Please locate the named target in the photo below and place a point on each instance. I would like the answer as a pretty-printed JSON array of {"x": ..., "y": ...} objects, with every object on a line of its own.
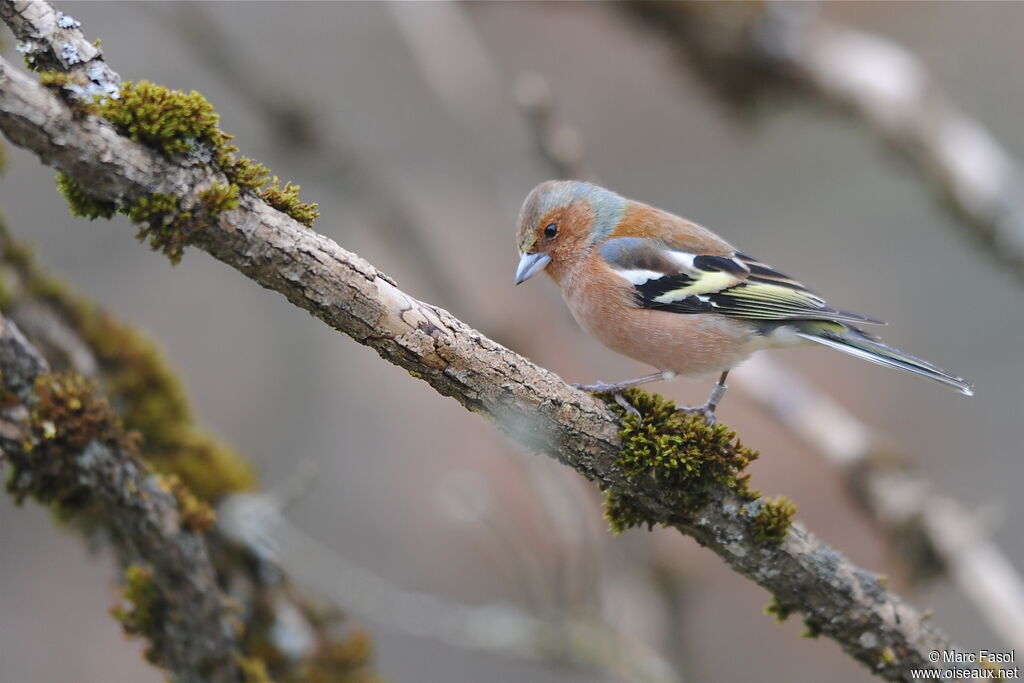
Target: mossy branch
[
  {"x": 529, "y": 403},
  {"x": 188, "y": 462},
  {"x": 66, "y": 447}
]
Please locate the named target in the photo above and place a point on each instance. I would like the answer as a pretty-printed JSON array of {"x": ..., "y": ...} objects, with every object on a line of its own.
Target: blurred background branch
[
  {"x": 151, "y": 498},
  {"x": 65, "y": 447},
  {"x": 746, "y": 51},
  {"x": 932, "y": 532}
]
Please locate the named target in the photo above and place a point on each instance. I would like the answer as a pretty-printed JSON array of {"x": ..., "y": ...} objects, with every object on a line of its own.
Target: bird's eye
[{"x": 551, "y": 231}]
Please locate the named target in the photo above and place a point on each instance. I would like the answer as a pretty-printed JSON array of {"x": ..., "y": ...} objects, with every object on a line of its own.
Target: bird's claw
[
  {"x": 627, "y": 406},
  {"x": 616, "y": 391},
  {"x": 706, "y": 410}
]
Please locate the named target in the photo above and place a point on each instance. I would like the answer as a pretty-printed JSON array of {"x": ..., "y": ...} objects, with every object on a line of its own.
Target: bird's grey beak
[{"x": 530, "y": 265}]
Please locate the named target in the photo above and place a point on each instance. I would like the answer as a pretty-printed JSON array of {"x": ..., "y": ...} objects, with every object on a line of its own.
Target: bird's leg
[
  {"x": 708, "y": 409},
  {"x": 617, "y": 388}
]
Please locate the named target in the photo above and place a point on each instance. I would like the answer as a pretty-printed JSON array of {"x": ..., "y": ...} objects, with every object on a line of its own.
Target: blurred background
[{"x": 411, "y": 126}]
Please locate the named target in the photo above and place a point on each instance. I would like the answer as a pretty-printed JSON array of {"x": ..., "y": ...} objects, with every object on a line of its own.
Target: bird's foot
[
  {"x": 616, "y": 391},
  {"x": 628, "y": 407},
  {"x": 707, "y": 410}
]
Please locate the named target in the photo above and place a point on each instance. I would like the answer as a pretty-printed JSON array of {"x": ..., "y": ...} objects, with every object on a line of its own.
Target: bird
[{"x": 670, "y": 293}]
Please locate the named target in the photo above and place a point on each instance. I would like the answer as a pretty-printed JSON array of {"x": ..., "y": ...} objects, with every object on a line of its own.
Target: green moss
[
  {"x": 68, "y": 413},
  {"x": 175, "y": 123},
  {"x": 6, "y": 294},
  {"x": 286, "y": 200},
  {"x": 140, "y": 610},
  {"x": 254, "y": 669},
  {"x": 167, "y": 228},
  {"x": 53, "y": 79},
  {"x": 621, "y": 514},
  {"x": 161, "y": 224},
  {"x": 678, "y": 452},
  {"x": 339, "y": 654},
  {"x": 65, "y": 416},
  {"x": 774, "y": 519},
  {"x": 886, "y": 656},
  {"x": 195, "y": 514},
  {"x": 342, "y": 660},
  {"x": 811, "y": 630},
  {"x": 244, "y": 172},
  {"x": 81, "y": 202},
  {"x": 778, "y": 610},
  {"x": 219, "y": 198},
  {"x": 171, "y": 121}
]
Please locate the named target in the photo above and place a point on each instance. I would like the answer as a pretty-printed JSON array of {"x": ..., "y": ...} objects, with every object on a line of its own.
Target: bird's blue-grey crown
[{"x": 608, "y": 208}]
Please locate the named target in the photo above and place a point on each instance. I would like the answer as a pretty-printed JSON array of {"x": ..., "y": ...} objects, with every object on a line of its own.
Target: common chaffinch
[{"x": 668, "y": 292}]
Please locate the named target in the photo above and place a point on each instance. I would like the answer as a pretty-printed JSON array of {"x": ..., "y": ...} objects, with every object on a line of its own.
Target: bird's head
[{"x": 559, "y": 223}]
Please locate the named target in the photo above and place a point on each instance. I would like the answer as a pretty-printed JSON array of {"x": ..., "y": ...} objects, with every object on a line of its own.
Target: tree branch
[
  {"x": 194, "y": 637},
  {"x": 529, "y": 403},
  {"x": 746, "y": 49},
  {"x": 280, "y": 631},
  {"x": 932, "y": 531}
]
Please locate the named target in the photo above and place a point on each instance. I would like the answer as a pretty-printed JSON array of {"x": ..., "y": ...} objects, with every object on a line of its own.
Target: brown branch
[
  {"x": 73, "y": 333},
  {"x": 932, "y": 531},
  {"x": 529, "y": 403},
  {"x": 301, "y": 133},
  {"x": 195, "y": 638},
  {"x": 747, "y": 50}
]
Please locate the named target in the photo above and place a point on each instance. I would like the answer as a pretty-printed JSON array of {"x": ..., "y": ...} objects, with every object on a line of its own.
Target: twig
[
  {"x": 746, "y": 50},
  {"x": 197, "y": 642},
  {"x": 530, "y": 404}
]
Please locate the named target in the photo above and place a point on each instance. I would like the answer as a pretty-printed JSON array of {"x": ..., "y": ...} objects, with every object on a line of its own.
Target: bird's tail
[{"x": 858, "y": 343}]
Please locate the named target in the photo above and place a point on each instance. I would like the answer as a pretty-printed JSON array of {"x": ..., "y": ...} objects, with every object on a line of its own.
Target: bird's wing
[{"x": 734, "y": 285}]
